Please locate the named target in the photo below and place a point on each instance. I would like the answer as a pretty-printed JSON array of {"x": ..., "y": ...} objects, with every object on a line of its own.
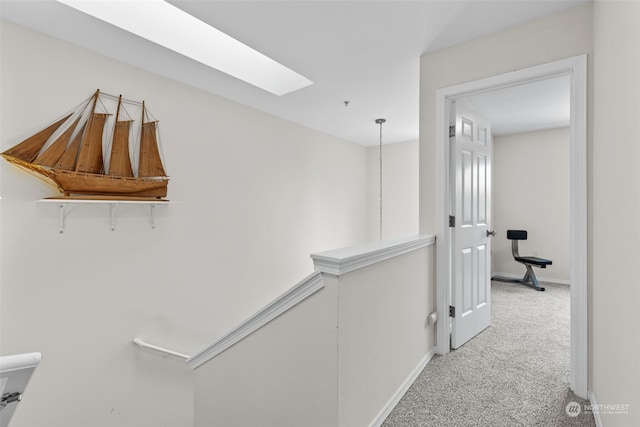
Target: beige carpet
[{"x": 515, "y": 373}]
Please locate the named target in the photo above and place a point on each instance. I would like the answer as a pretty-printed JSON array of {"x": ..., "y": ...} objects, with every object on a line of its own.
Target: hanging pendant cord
[{"x": 380, "y": 122}]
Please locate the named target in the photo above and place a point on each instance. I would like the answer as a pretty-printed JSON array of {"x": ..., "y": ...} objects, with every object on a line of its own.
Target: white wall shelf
[{"x": 113, "y": 208}]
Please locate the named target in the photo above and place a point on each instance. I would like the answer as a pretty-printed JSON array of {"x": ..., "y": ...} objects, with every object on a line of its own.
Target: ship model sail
[{"x": 69, "y": 154}]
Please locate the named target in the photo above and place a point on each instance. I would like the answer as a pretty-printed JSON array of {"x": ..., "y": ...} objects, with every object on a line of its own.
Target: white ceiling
[
  {"x": 529, "y": 107},
  {"x": 365, "y": 52}
]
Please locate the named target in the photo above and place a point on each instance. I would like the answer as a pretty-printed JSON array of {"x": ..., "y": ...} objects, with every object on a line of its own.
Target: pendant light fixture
[{"x": 380, "y": 122}]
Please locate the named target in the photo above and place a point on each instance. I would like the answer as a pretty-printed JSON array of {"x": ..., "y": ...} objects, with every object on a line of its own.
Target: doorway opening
[{"x": 575, "y": 68}]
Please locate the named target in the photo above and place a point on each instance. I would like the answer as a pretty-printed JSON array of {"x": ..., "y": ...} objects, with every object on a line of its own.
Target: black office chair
[{"x": 529, "y": 278}]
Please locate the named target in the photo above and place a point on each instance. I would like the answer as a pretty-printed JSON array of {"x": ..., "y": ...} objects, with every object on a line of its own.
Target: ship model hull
[
  {"x": 85, "y": 183},
  {"x": 68, "y": 155},
  {"x": 71, "y": 183}
]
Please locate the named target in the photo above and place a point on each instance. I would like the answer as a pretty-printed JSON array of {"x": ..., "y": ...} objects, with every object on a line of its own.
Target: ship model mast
[{"x": 69, "y": 155}]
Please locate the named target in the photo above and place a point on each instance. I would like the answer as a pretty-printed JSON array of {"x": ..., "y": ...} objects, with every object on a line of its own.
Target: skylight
[{"x": 171, "y": 27}]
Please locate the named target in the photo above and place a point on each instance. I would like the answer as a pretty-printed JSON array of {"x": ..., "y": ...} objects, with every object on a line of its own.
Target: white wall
[
  {"x": 556, "y": 37},
  {"x": 400, "y": 195},
  {"x": 531, "y": 192},
  {"x": 383, "y": 335},
  {"x": 338, "y": 358},
  {"x": 608, "y": 32},
  {"x": 255, "y": 196},
  {"x": 563, "y": 35},
  {"x": 283, "y": 375},
  {"x": 615, "y": 236}
]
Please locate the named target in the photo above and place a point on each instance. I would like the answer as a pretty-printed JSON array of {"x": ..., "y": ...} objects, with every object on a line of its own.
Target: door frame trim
[{"x": 576, "y": 69}]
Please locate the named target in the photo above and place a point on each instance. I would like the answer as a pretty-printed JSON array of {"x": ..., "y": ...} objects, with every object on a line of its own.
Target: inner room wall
[
  {"x": 531, "y": 192},
  {"x": 400, "y": 196},
  {"x": 253, "y": 196}
]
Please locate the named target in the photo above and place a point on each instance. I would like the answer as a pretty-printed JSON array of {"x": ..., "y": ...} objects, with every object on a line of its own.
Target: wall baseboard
[
  {"x": 386, "y": 410},
  {"x": 595, "y": 410},
  {"x": 541, "y": 279}
]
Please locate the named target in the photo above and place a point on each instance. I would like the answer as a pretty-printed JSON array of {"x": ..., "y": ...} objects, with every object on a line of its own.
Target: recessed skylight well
[{"x": 173, "y": 28}]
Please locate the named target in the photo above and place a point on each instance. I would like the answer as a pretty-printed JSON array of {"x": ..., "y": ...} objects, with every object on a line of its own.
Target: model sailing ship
[{"x": 69, "y": 155}]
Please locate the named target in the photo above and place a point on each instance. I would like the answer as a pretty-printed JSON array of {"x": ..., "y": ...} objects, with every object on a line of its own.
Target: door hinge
[
  {"x": 452, "y": 131},
  {"x": 452, "y": 311},
  {"x": 452, "y": 221}
]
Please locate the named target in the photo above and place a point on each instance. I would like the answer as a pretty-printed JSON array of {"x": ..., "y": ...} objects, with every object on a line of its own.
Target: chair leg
[{"x": 530, "y": 279}]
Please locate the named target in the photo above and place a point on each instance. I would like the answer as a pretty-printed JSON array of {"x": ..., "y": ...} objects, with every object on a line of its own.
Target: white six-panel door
[{"x": 471, "y": 149}]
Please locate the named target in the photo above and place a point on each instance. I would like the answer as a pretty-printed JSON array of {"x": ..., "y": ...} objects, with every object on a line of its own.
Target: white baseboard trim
[
  {"x": 595, "y": 409},
  {"x": 386, "y": 410},
  {"x": 540, "y": 279}
]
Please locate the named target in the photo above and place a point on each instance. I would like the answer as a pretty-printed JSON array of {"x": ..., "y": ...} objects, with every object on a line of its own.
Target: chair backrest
[
  {"x": 517, "y": 234},
  {"x": 514, "y": 236}
]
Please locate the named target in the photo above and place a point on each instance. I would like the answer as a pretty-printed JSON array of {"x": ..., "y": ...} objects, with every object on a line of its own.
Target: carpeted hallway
[{"x": 515, "y": 373}]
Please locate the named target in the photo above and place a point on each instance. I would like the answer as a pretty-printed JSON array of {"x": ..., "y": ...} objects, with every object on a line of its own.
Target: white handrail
[
  {"x": 307, "y": 287},
  {"x": 345, "y": 260},
  {"x": 166, "y": 352},
  {"x": 335, "y": 262}
]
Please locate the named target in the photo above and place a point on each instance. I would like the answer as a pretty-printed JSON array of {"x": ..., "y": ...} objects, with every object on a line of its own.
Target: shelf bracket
[
  {"x": 61, "y": 207},
  {"x": 113, "y": 207},
  {"x": 152, "y": 216}
]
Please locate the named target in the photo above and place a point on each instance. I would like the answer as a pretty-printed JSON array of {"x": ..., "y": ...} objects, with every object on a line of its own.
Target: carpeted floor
[{"x": 515, "y": 373}]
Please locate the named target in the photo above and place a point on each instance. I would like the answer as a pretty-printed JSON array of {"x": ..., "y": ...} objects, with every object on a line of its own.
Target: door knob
[{"x": 491, "y": 233}]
